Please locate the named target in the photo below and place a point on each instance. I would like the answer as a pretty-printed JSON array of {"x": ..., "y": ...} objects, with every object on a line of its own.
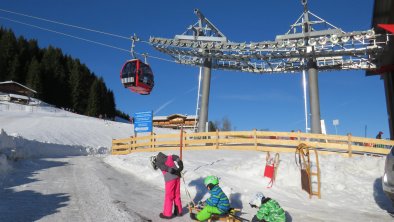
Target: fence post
[
  {"x": 131, "y": 143},
  {"x": 112, "y": 147},
  {"x": 184, "y": 139},
  {"x": 349, "y": 144},
  {"x": 217, "y": 139},
  {"x": 181, "y": 142},
  {"x": 153, "y": 140},
  {"x": 255, "y": 138}
]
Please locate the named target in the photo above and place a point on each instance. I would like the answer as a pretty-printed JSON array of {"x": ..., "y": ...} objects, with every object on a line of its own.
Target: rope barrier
[{"x": 186, "y": 190}]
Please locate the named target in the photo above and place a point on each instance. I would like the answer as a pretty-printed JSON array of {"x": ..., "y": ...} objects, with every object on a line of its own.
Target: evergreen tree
[
  {"x": 226, "y": 124},
  {"x": 109, "y": 105},
  {"x": 122, "y": 114},
  {"x": 2, "y": 31},
  {"x": 8, "y": 49},
  {"x": 212, "y": 127},
  {"x": 34, "y": 79},
  {"x": 54, "y": 77},
  {"x": 94, "y": 101},
  {"x": 58, "y": 79},
  {"x": 34, "y": 50},
  {"x": 24, "y": 59},
  {"x": 75, "y": 81},
  {"x": 15, "y": 73}
]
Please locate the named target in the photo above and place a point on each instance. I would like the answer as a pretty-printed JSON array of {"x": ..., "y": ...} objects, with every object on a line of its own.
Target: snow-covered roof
[
  {"x": 173, "y": 116},
  {"x": 159, "y": 117},
  {"x": 176, "y": 115}
]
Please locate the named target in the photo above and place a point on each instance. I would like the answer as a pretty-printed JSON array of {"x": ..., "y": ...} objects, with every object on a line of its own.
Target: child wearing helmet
[
  {"x": 217, "y": 203},
  {"x": 269, "y": 209},
  {"x": 171, "y": 167}
]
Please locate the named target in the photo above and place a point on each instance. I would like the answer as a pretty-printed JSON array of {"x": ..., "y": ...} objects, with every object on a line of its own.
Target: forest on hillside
[{"x": 58, "y": 79}]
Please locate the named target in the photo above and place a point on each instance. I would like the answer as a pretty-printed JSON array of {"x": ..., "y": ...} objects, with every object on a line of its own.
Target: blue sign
[{"x": 143, "y": 122}]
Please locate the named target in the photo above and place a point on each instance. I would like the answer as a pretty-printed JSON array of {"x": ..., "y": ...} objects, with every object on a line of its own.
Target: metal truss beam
[{"x": 329, "y": 48}]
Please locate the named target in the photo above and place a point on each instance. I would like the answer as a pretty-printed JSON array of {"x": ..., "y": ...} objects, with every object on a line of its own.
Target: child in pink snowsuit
[{"x": 172, "y": 174}]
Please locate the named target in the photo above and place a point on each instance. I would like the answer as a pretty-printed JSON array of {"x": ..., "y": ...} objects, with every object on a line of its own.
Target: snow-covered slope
[
  {"x": 351, "y": 188},
  {"x": 52, "y": 125}
]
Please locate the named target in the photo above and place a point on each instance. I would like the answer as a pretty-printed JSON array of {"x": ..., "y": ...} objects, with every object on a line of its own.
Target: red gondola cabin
[{"x": 137, "y": 76}]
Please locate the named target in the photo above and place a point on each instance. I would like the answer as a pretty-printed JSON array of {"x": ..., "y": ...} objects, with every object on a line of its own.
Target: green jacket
[{"x": 271, "y": 211}]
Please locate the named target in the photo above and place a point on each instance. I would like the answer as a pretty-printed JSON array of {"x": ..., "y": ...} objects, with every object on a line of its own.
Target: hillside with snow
[{"x": 55, "y": 166}]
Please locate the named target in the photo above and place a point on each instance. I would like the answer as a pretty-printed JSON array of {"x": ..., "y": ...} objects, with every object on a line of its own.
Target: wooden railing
[{"x": 253, "y": 140}]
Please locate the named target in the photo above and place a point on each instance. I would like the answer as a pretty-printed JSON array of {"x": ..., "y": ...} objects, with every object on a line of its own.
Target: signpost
[
  {"x": 335, "y": 122},
  {"x": 143, "y": 122}
]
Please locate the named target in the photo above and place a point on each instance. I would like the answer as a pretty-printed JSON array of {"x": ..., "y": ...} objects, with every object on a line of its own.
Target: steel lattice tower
[{"x": 311, "y": 44}]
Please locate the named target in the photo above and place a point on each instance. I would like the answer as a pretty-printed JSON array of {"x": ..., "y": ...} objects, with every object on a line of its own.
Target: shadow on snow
[
  {"x": 380, "y": 197},
  {"x": 26, "y": 204}
]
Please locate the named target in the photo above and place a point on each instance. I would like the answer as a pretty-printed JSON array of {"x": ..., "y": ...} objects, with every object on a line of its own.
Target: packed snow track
[{"x": 80, "y": 188}]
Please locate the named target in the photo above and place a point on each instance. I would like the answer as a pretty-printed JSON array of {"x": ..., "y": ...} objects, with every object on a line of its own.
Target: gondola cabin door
[{"x": 137, "y": 76}]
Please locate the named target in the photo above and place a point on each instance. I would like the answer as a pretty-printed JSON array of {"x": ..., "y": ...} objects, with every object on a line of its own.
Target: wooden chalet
[{"x": 15, "y": 92}]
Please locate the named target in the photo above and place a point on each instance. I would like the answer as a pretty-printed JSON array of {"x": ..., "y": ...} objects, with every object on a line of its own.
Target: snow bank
[
  {"x": 21, "y": 148},
  {"x": 45, "y": 131},
  {"x": 345, "y": 183},
  {"x": 15, "y": 148}
]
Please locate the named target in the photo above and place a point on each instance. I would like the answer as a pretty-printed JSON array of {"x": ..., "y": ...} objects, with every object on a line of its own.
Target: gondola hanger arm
[{"x": 134, "y": 39}]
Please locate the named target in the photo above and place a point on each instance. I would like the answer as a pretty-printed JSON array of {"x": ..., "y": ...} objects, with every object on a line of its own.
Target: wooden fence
[{"x": 253, "y": 140}]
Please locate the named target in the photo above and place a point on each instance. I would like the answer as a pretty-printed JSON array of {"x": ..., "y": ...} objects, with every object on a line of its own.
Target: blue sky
[{"x": 268, "y": 101}]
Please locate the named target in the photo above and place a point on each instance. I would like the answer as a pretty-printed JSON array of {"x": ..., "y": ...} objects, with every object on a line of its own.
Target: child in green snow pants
[
  {"x": 217, "y": 203},
  {"x": 206, "y": 213}
]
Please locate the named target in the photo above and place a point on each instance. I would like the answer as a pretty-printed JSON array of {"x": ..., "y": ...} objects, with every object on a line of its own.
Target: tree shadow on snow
[
  {"x": 380, "y": 197},
  {"x": 23, "y": 203}
]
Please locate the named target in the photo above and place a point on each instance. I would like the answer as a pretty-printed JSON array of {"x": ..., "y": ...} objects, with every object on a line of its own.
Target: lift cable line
[
  {"x": 311, "y": 44},
  {"x": 86, "y": 40},
  {"x": 65, "y": 34},
  {"x": 72, "y": 26},
  {"x": 65, "y": 24}
]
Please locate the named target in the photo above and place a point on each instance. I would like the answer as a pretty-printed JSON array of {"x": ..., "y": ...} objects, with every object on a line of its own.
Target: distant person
[
  {"x": 217, "y": 203},
  {"x": 171, "y": 167},
  {"x": 379, "y": 136},
  {"x": 292, "y": 137},
  {"x": 269, "y": 209}
]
